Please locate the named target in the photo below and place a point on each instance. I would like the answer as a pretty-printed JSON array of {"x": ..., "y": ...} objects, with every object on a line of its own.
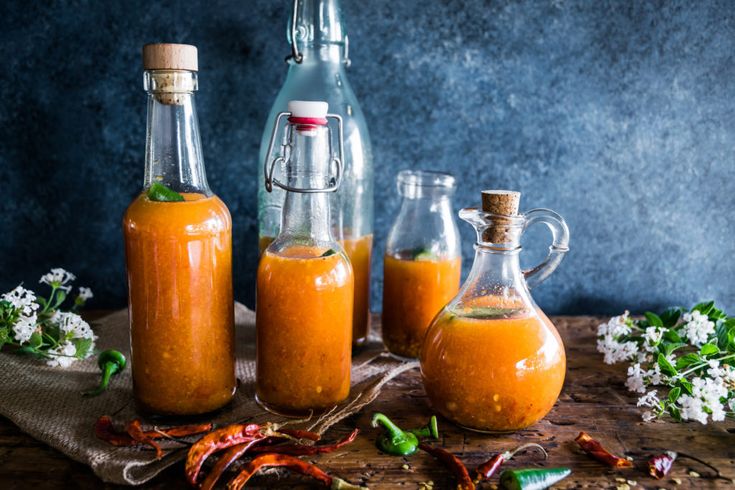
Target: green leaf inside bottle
[{"x": 160, "y": 193}]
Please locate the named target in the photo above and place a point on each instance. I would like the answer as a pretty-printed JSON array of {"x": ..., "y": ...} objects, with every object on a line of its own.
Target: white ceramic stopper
[{"x": 308, "y": 108}]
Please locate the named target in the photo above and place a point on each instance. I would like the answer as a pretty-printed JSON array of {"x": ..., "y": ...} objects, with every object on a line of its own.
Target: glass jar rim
[{"x": 426, "y": 178}]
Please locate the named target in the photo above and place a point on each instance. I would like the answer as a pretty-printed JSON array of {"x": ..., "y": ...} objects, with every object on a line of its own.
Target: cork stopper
[
  {"x": 503, "y": 203},
  {"x": 167, "y": 56}
]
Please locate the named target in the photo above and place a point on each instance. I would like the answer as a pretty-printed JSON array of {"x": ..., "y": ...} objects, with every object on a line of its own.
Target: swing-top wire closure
[
  {"x": 298, "y": 56},
  {"x": 334, "y": 161}
]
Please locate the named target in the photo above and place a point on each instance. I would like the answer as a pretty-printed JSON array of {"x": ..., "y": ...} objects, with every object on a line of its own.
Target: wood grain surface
[{"x": 594, "y": 399}]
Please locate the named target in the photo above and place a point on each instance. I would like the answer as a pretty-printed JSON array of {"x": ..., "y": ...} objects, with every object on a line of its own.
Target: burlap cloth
[{"x": 45, "y": 402}]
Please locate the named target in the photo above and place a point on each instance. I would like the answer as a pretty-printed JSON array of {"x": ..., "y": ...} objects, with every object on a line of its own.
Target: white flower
[
  {"x": 22, "y": 299},
  {"x": 697, "y": 327},
  {"x": 650, "y": 399},
  {"x": 635, "y": 380},
  {"x": 24, "y": 327},
  {"x": 652, "y": 337},
  {"x": 58, "y": 277},
  {"x": 648, "y": 416},
  {"x": 62, "y": 356},
  {"x": 616, "y": 351},
  {"x": 85, "y": 293},
  {"x": 71, "y": 323},
  {"x": 706, "y": 397},
  {"x": 616, "y": 327}
]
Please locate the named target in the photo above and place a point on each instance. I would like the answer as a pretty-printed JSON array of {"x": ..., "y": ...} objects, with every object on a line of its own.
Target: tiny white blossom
[
  {"x": 706, "y": 397},
  {"x": 652, "y": 337},
  {"x": 635, "y": 380},
  {"x": 616, "y": 327},
  {"x": 650, "y": 399},
  {"x": 62, "y": 356},
  {"x": 85, "y": 293},
  {"x": 71, "y": 323},
  {"x": 22, "y": 299},
  {"x": 58, "y": 277},
  {"x": 24, "y": 327},
  {"x": 648, "y": 416},
  {"x": 697, "y": 327},
  {"x": 616, "y": 351}
]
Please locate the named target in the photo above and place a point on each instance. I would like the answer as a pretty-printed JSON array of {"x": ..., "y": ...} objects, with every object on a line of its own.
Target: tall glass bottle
[
  {"x": 178, "y": 245},
  {"x": 305, "y": 283},
  {"x": 316, "y": 71}
]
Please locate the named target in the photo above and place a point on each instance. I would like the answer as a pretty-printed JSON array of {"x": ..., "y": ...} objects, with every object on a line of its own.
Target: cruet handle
[{"x": 559, "y": 245}]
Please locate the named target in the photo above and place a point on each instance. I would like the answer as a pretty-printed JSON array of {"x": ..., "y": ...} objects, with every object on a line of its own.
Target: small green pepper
[
  {"x": 533, "y": 478},
  {"x": 394, "y": 441},
  {"x": 431, "y": 429},
  {"x": 111, "y": 362},
  {"x": 161, "y": 193}
]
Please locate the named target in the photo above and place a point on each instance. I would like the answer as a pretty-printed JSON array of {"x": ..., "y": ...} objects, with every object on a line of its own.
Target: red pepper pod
[
  {"x": 135, "y": 429},
  {"x": 487, "y": 469},
  {"x": 217, "y": 440},
  {"x": 282, "y": 461},
  {"x": 304, "y": 450},
  {"x": 105, "y": 431},
  {"x": 452, "y": 462},
  {"x": 598, "y": 452},
  {"x": 660, "y": 465}
]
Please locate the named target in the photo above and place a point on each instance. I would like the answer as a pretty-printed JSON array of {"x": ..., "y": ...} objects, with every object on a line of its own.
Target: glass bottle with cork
[
  {"x": 178, "y": 246},
  {"x": 305, "y": 284},
  {"x": 423, "y": 263},
  {"x": 492, "y": 360},
  {"x": 317, "y": 71}
]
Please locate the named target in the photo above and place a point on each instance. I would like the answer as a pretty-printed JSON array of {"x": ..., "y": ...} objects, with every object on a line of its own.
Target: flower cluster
[
  {"x": 681, "y": 362},
  {"x": 31, "y": 324}
]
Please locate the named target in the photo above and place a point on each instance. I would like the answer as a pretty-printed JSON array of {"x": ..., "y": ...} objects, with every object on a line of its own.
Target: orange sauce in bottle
[
  {"x": 493, "y": 374},
  {"x": 359, "y": 251},
  {"x": 414, "y": 291},
  {"x": 179, "y": 264},
  {"x": 304, "y": 329}
]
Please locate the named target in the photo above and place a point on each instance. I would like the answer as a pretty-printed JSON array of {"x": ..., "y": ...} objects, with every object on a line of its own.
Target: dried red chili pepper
[
  {"x": 292, "y": 463},
  {"x": 487, "y": 469},
  {"x": 304, "y": 450},
  {"x": 452, "y": 462},
  {"x": 301, "y": 434},
  {"x": 598, "y": 452},
  {"x": 180, "y": 431},
  {"x": 135, "y": 429},
  {"x": 104, "y": 430},
  {"x": 225, "y": 461},
  {"x": 659, "y": 466},
  {"x": 217, "y": 440}
]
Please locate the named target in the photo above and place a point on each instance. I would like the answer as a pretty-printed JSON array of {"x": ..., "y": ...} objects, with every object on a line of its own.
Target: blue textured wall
[{"x": 619, "y": 115}]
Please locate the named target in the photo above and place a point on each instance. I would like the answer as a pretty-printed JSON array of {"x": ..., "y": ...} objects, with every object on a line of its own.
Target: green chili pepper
[
  {"x": 431, "y": 429},
  {"x": 532, "y": 479},
  {"x": 111, "y": 362},
  {"x": 394, "y": 441},
  {"x": 159, "y": 192}
]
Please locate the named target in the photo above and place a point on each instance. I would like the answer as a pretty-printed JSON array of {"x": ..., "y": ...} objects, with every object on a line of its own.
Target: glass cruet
[
  {"x": 305, "y": 284},
  {"x": 422, "y": 263},
  {"x": 317, "y": 71},
  {"x": 491, "y": 360}
]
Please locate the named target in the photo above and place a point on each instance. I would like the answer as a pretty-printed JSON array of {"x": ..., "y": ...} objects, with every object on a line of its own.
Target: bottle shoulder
[{"x": 196, "y": 214}]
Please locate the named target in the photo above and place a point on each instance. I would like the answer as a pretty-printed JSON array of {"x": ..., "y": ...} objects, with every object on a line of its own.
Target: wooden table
[{"x": 594, "y": 399}]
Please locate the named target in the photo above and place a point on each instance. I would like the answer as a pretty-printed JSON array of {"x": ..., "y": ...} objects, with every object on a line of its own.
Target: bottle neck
[
  {"x": 173, "y": 154},
  {"x": 320, "y": 34},
  {"x": 306, "y": 215}
]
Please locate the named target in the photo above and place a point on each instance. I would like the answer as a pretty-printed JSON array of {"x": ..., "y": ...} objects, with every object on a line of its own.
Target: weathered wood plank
[{"x": 594, "y": 399}]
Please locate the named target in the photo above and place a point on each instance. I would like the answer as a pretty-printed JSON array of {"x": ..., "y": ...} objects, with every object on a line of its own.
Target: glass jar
[
  {"x": 317, "y": 71},
  {"x": 422, "y": 263},
  {"x": 491, "y": 360},
  {"x": 305, "y": 283},
  {"x": 178, "y": 246}
]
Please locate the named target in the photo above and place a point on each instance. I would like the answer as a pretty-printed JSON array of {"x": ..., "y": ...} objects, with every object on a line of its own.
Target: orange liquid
[
  {"x": 493, "y": 374},
  {"x": 304, "y": 329},
  {"x": 359, "y": 251},
  {"x": 179, "y": 263},
  {"x": 413, "y": 293}
]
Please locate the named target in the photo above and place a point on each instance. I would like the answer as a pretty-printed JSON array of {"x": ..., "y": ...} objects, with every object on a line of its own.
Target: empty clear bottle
[{"x": 316, "y": 71}]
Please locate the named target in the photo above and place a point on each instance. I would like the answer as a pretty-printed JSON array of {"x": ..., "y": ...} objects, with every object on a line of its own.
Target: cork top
[
  {"x": 166, "y": 56},
  {"x": 503, "y": 203}
]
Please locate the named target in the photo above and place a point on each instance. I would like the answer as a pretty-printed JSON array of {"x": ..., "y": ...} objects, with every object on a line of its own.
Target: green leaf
[
  {"x": 41, "y": 301},
  {"x": 686, "y": 386},
  {"x": 675, "y": 413},
  {"x": 4, "y": 336},
  {"x": 329, "y": 252},
  {"x": 665, "y": 365},
  {"x": 716, "y": 314},
  {"x": 709, "y": 349},
  {"x": 35, "y": 341},
  {"x": 668, "y": 348},
  {"x": 83, "y": 346},
  {"x": 671, "y": 316},
  {"x": 704, "y": 308},
  {"x": 161, "y": 193},
  {"x": 687, "y": 360},
  {"x": 60, "y": 297},
  {"x": 653, "y": 319},
  {"x": 672, "y": 336},
  {"x": 674, "y": 394}
]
